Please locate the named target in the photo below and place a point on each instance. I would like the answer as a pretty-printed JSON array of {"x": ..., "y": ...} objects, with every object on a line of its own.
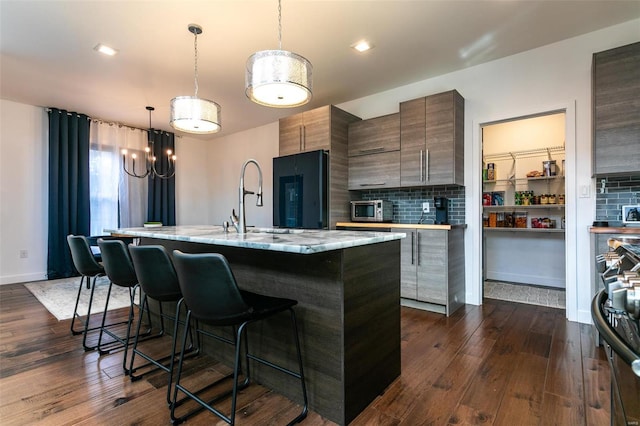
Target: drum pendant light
[
  {"x": 278, "y": 78},
  {"x": 191, "y": 114}
]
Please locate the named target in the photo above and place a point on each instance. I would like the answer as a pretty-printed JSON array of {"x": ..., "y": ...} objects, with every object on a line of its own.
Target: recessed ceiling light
[
  {"x": 104, "y": 49},
  {"x": 362, "y": 46}
]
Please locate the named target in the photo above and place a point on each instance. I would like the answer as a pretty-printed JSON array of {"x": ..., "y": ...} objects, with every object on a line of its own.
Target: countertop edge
[
  {"x": 612, "y": 230},
  {"x": 315, "y": 241}
]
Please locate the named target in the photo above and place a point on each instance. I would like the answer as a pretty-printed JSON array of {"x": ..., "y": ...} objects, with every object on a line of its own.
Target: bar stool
[
  {"x": 159, "y": 282},
  {"x": 88, "y": 267},
  {"x": 119, "y": 268},
  {"x": 212, "y": 297}
]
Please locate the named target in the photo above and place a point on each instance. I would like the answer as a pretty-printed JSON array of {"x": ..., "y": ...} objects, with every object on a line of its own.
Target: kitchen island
[{"x": 347, "y": 285}]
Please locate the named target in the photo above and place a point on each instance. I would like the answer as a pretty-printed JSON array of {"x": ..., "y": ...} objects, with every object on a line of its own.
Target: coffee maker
[{"x": 442, "y": 210}]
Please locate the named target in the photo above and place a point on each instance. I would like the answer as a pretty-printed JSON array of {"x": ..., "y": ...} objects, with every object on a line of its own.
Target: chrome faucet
[{"x": 242, "y": 224}]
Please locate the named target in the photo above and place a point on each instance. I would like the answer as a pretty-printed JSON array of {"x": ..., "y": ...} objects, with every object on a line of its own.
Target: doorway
[{"x": 523, "y": 209}]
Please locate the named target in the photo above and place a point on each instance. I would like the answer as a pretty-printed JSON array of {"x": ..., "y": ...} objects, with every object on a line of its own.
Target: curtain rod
[{"x": 112, "y": 123}]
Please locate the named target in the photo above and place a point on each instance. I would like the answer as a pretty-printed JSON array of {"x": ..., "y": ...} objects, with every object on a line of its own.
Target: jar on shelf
[
  {"x": 520, "y": 219},
  {"x": 552, "y": 198},
  {"x": 500, "y": 219},
  {"x": 544, "y": 199},
  {"x": 508, "y": 220},
  {"x": 491, "y": 171},
  {"x": 535, "y": 199},
  {"x": 561, "y": 199},
  {"x": 493, "y": 219}
]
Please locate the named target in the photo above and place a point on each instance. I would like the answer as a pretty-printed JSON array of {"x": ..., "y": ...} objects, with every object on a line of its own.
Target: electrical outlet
[
  {"x": 425, "y": 207},
  {"x": 24, "y": 254}
]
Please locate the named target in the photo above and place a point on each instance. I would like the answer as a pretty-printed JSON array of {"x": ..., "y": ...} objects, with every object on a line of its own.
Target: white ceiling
[{"x": 47, "y": 55}]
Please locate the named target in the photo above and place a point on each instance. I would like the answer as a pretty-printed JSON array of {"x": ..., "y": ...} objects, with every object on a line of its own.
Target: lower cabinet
[{"x": 432, "y": 269}]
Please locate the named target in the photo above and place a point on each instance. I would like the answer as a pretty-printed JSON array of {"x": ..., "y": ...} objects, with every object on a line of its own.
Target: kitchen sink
[{"x": 276, "y": 230}]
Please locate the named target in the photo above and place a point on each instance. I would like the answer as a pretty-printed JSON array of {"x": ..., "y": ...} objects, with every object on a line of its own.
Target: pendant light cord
[
  {"x": 279, "y": 25},
  {"x": 195, "y": 68}
]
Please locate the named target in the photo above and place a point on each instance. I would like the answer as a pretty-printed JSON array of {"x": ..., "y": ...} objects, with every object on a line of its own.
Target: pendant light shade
[
  {"x": 192, "y": 114},
  {"x": 195, "y": 115},
  {"x": 278, "y": 78}
]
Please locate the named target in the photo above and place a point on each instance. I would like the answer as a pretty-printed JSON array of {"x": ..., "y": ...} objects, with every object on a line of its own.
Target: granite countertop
[
  {"x": 614, "y": 230},
  {"x": 301, "y": 241},
  {"x": 387, "y": 225}
]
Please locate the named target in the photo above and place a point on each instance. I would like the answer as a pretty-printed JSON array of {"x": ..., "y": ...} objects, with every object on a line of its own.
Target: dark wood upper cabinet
[
  {"x": 375, "y": 135},
  {"x": 374, "y": 153},
  {"x": 616, "y": 111},
  {"x": 432, "y": 140},
  {"x": 306, "y": 131},
  {"x": 323, "y": 128}
]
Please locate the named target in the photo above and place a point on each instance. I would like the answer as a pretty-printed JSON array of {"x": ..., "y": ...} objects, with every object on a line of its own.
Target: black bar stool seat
[{"x": 212, "y": 297}]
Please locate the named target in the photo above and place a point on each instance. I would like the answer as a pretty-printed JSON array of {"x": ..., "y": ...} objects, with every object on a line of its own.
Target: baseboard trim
[{"x": 24, "y": 278}]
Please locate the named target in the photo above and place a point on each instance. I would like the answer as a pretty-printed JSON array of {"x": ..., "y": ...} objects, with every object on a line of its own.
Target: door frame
[{"x": 474, "y": 238}]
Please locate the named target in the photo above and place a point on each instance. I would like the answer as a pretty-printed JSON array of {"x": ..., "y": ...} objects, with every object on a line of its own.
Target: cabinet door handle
[
  {"x": 426, "y": 165},
  {"x": 373, "y": 184},
  {"x": 372, "y": 150},
  {"x": 418, "y": 248},
  {"x": 421, "y": 163},
  {"x": 300, "y": 137},
  {"x": 304, "y": 138},
  {"x": 413, "y": 257}
]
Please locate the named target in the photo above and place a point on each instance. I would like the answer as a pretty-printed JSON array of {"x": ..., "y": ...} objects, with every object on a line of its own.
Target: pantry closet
[{"x": 523, "y": 206}]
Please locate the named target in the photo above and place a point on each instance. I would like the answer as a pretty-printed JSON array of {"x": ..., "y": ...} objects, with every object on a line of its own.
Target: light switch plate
[
  {"x": 585, "y": 191},
  {"x": 425, "y": 207}
]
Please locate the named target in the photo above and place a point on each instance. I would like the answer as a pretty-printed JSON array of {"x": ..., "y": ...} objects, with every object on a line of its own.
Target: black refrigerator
[{"x": 300, "y": 187}]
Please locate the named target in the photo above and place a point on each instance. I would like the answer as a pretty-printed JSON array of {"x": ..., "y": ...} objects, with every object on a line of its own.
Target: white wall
[
  {"x": 192, "y": 180},
  {"x": 23, "y": 192},
  {"x": 208, "y": 177},
  {"x": 554, "y": 77},
  {"x": 228, "y": 154}
]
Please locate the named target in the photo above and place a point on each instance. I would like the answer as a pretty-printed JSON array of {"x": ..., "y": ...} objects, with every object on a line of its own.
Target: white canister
[{"x": 549, "y": 168}]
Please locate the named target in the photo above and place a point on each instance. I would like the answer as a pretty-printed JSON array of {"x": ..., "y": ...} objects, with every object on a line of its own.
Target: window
[{"x": 116, "y": 200}]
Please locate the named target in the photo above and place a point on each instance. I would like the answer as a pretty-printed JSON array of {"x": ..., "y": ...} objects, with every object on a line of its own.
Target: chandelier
[
  {"x": 191, "y": 114},
  {"x": 150, "y": 159},
  {"x": 278, "y": 78}
]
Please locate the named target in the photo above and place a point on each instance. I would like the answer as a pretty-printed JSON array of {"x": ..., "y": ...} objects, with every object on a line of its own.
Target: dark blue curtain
[
  {"x": 68, "y": 187},
  {"x": 162, "y": 192}
]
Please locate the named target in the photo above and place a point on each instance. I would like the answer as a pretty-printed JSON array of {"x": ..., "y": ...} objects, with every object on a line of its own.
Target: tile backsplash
[
  {"x": 617, "y": 192},
  {"x": 407, "y": 202}
]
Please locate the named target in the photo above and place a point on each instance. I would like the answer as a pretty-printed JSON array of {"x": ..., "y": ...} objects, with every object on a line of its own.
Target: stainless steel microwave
[{"x": 371, "y": 211}]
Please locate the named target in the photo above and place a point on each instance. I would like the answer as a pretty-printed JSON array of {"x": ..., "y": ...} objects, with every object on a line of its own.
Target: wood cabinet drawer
[
  {"x": 376, "y": 135},
  {"x": 374, "y": 171}
]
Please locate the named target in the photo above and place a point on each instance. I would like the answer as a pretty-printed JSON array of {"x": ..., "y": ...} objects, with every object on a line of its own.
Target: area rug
[
  {"x": 533, "y": 295},
  {"x": 59, "y": 296}
]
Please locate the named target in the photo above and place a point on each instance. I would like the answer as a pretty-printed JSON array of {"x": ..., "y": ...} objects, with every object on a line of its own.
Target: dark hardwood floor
[{"x": 499, "y": 364}]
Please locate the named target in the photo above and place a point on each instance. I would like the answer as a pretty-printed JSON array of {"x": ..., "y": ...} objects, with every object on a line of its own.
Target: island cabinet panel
[
  {"x": 616, "y": 110},
  {"x": 323, "y": 128},
  {"x": 432, "y": 140},
  {"x": 348, "y": 315},
  {"x": 432, "y": 268}
]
